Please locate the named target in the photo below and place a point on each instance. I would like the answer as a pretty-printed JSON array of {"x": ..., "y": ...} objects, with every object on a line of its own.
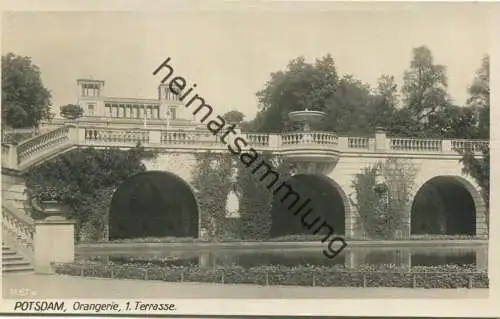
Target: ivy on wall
[
  {"x": 399, "y": 176},
  {"x": 212, "y": 180},
  {"x": 366, "y": 199},
  {"x": 256, "y": 200},
  {"x": 84, "y": 179},
  {"x": 384, "y": 207}
]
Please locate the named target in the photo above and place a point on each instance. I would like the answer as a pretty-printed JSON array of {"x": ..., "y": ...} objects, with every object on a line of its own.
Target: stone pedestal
[
  {"x": 380, "y": 140},
  {"x": 54, "y": 240}
]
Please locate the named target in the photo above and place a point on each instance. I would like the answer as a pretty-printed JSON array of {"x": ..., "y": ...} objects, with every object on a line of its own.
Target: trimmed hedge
[
  {"x": 289, "y": 238},
  {"x": 448, "y": 276}
]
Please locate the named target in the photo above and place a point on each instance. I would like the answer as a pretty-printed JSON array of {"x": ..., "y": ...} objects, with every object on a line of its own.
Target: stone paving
[{"x": 57, "y": 286}]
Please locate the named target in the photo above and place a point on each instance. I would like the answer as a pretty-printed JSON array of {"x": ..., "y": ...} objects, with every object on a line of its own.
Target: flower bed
[{"x": 448, "y": 276}]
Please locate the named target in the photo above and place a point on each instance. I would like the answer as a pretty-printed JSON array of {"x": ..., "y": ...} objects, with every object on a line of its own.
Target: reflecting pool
[{"x": 250, "y": 257}]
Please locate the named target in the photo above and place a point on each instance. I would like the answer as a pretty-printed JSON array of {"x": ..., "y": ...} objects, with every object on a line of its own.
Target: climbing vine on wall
[
  {"x": 256, "y": 200},
  {"x": 384, "y": 207},
  {"x": 84, "y": 179},
  {"x": 212, "y": 180}
]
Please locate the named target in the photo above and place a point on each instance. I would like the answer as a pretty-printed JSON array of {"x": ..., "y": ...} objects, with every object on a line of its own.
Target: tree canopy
[
  {"x": 71, "y": 111},
  {"x": 234, "y": 116},
  {"x": 25, "y": 101},
  {"x": 421, "y": 107},
  {"x": 302, "y": 85},
  {"x": 479, "y": 106}
]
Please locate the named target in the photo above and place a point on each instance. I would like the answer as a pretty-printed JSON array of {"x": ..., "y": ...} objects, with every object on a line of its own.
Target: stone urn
[{"x": 53, "y": 210}]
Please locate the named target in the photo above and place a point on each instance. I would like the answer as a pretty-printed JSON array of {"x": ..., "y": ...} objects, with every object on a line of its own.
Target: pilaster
[{"x": 54, "y": 240}]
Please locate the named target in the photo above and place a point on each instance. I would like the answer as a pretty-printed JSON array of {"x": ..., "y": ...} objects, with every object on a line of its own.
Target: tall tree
[
  {"x": 301, "y": 86},
  {"x": 479, "y": 166},
  {"x": 25, "y": 101},
  {"x": 387, "y": 89},
  {"x": 349, "y": 109},
  {"x": 454, "y": 122},
  {"x": 384, "y": 103},
  {"x": 425, "y": 89},
  {"x": 479, "y": 99}
]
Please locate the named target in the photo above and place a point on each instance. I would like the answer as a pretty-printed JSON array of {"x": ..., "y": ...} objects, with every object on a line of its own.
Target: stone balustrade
[
  {"x": 112, "y": 136},
  {"x": 314, "y": 138},
  {"x": 416, "y": 145},
  {"x": 469, "y": 145},
  {"x": 362, "y": 143},
  {"x": 188, "y": 138},
  {"x": 20, "y": 227},
  {"x": 257, "y": 139},
  {"x": 40, "y": 145},
  {"x": 67, "y": 136}
]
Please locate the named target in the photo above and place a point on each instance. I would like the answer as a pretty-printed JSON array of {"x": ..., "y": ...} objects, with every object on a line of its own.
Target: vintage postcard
[{"x": 248, "y": 158}]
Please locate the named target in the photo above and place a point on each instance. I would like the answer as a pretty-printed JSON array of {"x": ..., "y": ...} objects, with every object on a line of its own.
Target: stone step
[
  {"x": 8, "y": 258},
  {"x": 18, "y": 269},
  {"x": 14, "y": 263},
  {"x": 10, "y": 195},
  {"x": 19, "y": 204},
  {"x": 19, "y": 187}
]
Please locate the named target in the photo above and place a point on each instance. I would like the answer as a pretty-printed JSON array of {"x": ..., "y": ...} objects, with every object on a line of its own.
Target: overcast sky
[{"x": 230, "y": 55}]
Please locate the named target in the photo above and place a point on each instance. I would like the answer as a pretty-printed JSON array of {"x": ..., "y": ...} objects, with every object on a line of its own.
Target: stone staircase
[
  {"x": 15, "y": 197},
  {"x": 13, "y": 262}
]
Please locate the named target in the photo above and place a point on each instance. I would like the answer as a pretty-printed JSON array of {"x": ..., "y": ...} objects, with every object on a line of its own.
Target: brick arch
[
  {"x": 480, "y": 209},
  {"x": 162, "y": 184}
]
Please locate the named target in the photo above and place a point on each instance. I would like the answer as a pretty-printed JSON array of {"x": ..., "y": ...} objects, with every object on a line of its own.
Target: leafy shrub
[
  {"x": 447, "y": 276},
  {"x": 378, "y": 221},
  {"x": 212, "y": 183},
  {"x": 288, "y": 238},
  {"x": 83, "y": 179}
]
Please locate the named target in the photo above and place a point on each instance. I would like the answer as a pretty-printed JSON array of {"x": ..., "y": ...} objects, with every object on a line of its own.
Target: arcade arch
[
  {"x": 153, "y": 204},
  {"x": 327, "y": 200},
  {"x": 446, "y": 205}
]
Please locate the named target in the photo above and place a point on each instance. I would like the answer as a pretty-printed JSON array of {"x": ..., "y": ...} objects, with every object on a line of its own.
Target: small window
[
  {"x": 173, "y": 114},
  {"x": 90, "y": 109}
]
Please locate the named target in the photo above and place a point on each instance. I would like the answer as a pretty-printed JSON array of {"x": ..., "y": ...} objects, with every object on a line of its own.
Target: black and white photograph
[{"x": 264, "y": 158}]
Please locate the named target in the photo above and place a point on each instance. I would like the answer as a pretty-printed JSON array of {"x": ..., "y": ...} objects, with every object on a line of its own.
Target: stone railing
[
  {"x": 257, "y": 139},
  {"x": 51, "y": 143},
  {"x": 20, "y": 227},
  {"x": 35, "y": 147},
  {"x": 310, "y": 138},
  {"x": 416, "y": 145},
  {"x": 116, "y": 135},
  {"x": 468, "y": 145},
  {"x": 358, "y": 142},
  {"x": 188, "y": 138}
]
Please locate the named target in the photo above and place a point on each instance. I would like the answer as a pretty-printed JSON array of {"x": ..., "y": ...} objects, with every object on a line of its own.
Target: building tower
[
  {"x": 169, "y": 103},
  {"x": 90, "y": 97}
]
